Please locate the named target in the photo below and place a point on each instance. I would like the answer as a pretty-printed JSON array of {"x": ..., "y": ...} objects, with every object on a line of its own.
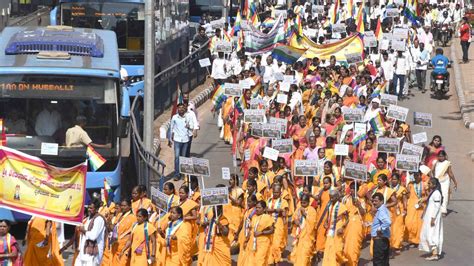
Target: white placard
[
  {"x": 204, "y": 62},
  {"x": 338, "y": 27},
  {"x": 232, "y": 89},
  {"x": 289, "y": 79},
  {"x": 254, "y": 115},
  {"x": 49, "y": 148},
  {"x": 306, "y": 168},
  {"x": 341, "y": 149},
  {"x": 352, "y": 114},
  {"x": 397, "y": 112},
  {"x": 282, "y": 98},
  {"x": 398, "y": 45},
  {"x": 278, "y": 76},
  {"x": 422, "y": 119},
  {"x": 246, "y": 155},
  {"x": 388, "y": 99},
  {"x": 360, "y": 128},
  {"x": 407, "y": 162},
  {"x": 392, "y": 12},
  {"x": 285, "y": 86},
  {"x": 283, "y": 145},
  {"x": 420, "y": 138},
  {"x": 270, "y": 153},
  {"x": 370, "y": 41},
  {"x": 353, "y": 58},
  {"x": 281, "y": 121},
  {"x": 224, "y": 46},
  {"x": 355, "y": 171},
  {"x": 400, "y": 33},
  {"x": 225, "y": 173},
  {"x": 245, "y": 84},
  {"x": 388, "y": 145},
  {"x": 384, "y": 44},
  {"x": 412, "y": 149}
]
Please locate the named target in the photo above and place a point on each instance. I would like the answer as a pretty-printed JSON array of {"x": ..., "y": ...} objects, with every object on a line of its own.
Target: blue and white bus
[
  {"x": 63, "y": 72},
  {"x": 127, "y": 19}
]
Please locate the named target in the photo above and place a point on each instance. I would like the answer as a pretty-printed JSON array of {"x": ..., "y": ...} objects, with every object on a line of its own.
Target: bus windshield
[
  {"x": 127, "y": 20},
  {"x": 37, "y": 109}
]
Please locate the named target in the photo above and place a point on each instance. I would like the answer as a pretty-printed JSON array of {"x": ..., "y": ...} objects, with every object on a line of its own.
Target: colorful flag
[
  {"x": 335, "y": 16},
  {"x": 95, "y": 159},
  {"x": 237, "y": 24},
  {"x": 358, "y": 138},
  {"x": 287, "y": 54},
  {"x": 268, "y": 22},
  {"x": 360, "y": 19},
  {"x": 298, "y": 26},
  {"x": 411, "y": 12},
  {"x": 377, "y": 124},
  {"x": 178, "y": 100},
  {"x": 108, "y": 192},
  {"x": 378, "y": 30},
  {"x": 350, "y": 8},
  {"x": 255, "y": 21},
  {"x": 240, "y": 41},
  {"x": 380, "y": 89}
]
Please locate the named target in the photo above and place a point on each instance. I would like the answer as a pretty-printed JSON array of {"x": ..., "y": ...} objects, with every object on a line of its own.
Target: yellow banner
[
  {"x": 349, "y": 45},
  {"x": 31, "y": 186}
]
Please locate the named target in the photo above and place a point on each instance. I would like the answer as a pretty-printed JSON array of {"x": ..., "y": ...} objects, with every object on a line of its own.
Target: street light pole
[{"x": 149, "y": 78}]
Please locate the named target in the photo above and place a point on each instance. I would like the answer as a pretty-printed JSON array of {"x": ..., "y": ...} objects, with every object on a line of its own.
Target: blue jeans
[
  {"x": 180, "y": 149},
  {"x": 401, "y": 79}
]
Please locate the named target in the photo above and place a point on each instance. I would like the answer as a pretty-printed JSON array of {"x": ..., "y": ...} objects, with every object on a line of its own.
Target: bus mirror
[{"x": 124, "y": 126}]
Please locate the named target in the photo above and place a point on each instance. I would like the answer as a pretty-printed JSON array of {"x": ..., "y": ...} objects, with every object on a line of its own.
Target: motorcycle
[
  {"x": 443, "y": 35},
  {"x": 440, "y": 83}
]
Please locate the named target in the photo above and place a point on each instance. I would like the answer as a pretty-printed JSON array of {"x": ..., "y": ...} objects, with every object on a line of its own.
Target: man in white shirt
[
  {"x": 421, "y": 67},
  {"x": 219, "y": 69},
  {"x": 180, "y": 126},
  {"x": 192, "y": 132},
  {"x": 48, "y": 121},
  {"x": 412, "y": 55},
  {"x": 91, "y": 237},
  {"x": 268, "y": 73},
  {"x": 425, "y": 36},
  {"x": 387, "y": 67},
  {"x": 401, "y": 69}
]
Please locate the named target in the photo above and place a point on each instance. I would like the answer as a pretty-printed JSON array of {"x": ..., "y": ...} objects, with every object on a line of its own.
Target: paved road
[{"x": 458, "y": 226}]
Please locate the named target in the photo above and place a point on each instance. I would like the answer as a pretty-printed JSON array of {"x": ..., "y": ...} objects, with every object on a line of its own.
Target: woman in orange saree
[{"x": 397, "y": 228}]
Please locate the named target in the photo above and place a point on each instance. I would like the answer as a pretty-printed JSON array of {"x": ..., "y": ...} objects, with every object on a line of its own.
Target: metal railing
[
  {"x": 188, "y": 73},
  {"x": 147, "y": 164}
]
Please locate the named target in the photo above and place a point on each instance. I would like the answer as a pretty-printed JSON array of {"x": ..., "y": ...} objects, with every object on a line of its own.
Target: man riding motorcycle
[{"x": 440, "y": 67}]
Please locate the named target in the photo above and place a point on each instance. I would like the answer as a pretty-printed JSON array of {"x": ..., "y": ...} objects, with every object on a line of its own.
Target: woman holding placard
[
  {"x": 190, "y": 216},
  {"x": 397, "y": 230},
  {"x": 369, "y": 154}
]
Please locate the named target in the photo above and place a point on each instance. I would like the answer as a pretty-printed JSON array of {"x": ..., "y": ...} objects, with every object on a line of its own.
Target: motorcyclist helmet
[{"x": 439, "y": 51}]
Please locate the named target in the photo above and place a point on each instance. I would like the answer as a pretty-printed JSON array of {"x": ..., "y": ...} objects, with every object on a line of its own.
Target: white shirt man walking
[{"x": 91, "y": 242}]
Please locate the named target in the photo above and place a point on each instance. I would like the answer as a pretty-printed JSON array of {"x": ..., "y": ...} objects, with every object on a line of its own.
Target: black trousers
[
  {"x": 420, "y": 78},
  {"x": 381, "y": 251},
  {"x": 465, "y": 48}
]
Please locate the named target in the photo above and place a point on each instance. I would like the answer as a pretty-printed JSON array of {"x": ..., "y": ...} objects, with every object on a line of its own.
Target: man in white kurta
[{"x": 96, "y": 233}]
